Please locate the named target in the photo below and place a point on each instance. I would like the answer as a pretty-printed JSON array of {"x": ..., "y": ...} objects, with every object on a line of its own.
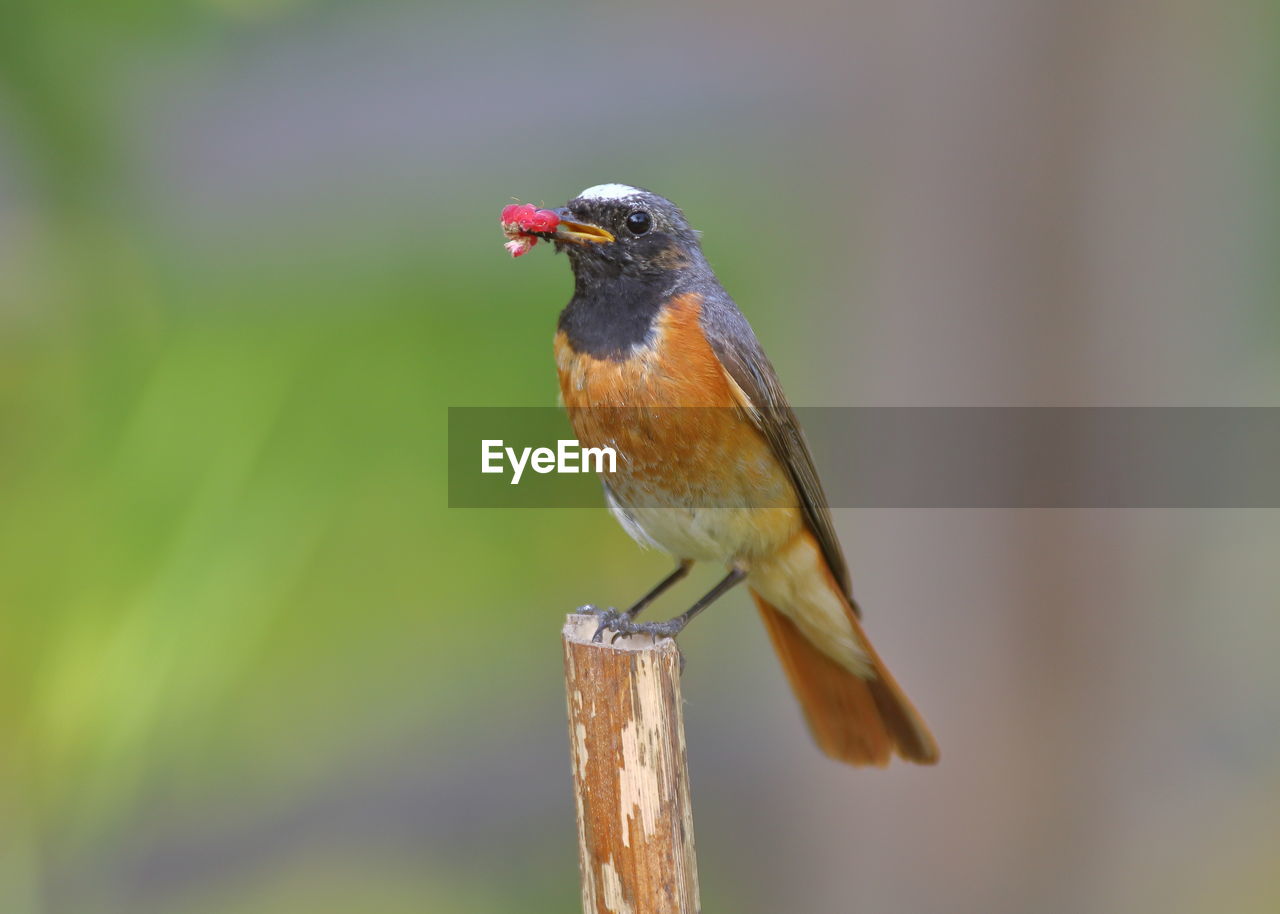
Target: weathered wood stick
[{"x": 630, "y": 776}]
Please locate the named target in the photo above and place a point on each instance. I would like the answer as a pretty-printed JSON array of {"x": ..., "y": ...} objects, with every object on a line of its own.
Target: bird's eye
[{"x": 639, "y": 222}]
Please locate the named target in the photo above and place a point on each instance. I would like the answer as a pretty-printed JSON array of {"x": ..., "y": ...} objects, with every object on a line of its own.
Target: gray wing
[{"x": 734, "y": 343}]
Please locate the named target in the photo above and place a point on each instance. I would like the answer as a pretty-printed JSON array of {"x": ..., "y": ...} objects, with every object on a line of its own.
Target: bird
[{"x": 656, "y": 360}]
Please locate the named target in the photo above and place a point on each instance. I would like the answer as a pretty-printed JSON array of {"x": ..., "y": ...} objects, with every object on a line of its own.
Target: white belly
[{"x": 708, "y": 534}]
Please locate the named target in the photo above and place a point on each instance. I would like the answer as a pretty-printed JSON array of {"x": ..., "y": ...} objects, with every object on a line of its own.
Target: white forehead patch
[{"x": 610, "y": 192}]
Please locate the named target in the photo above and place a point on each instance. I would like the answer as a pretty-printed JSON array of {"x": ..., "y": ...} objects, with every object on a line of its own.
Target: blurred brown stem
[{"x": 630, "y": 775}]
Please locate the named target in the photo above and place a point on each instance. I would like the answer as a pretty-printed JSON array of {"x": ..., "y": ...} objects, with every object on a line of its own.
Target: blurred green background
[{"x": 251, "y": 663}]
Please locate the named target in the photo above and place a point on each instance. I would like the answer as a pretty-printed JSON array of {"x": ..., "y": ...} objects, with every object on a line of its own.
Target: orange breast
[{"x": 670, "y": 412}]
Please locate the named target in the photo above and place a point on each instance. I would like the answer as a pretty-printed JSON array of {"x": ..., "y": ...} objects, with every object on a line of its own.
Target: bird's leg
[
  {"x": 661, "y": 587},
  {"x": 672, "y": 627}
]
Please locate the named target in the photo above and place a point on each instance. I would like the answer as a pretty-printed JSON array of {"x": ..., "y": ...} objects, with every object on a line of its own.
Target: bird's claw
[
  {"x": 607, "y": 616},
  {"x": 620, "y": 624},
  {"x": 611, "y": 620}
]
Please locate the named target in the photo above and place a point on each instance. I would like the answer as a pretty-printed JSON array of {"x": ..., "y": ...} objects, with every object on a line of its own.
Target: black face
[
  {"x": 650, "y": 234},
  {"x": 621, "y": 286}
]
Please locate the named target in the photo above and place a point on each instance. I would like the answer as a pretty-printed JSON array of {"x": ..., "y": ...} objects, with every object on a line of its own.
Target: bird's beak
[{"x": 580, "y": 232}]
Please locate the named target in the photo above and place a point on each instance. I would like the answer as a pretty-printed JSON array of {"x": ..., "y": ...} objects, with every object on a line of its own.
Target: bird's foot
[{"x": 621, "y": 624}]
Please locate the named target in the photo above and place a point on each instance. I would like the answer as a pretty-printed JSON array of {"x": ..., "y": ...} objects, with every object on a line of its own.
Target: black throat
[{"x": 612, "y": 312}]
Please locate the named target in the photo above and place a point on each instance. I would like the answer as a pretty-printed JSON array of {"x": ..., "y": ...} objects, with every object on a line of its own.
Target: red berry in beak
[{"x": 522, "y": 222}]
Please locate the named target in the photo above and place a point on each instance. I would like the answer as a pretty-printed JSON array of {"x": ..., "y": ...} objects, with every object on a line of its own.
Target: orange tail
[{"x": 862, "y": 721}]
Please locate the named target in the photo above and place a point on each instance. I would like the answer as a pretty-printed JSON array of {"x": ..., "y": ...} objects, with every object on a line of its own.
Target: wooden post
[{"x": 630, "y": 777}]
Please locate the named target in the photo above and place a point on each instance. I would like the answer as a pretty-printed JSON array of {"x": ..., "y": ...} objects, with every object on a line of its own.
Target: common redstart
[{"x": 656, "y": 361}]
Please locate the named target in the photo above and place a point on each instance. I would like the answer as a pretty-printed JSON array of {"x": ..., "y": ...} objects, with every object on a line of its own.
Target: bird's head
[{"x": 610, "y": 230}]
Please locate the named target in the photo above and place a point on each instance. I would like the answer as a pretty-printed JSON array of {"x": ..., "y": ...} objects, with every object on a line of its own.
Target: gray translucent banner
[{"x": 919, "y": 457}]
